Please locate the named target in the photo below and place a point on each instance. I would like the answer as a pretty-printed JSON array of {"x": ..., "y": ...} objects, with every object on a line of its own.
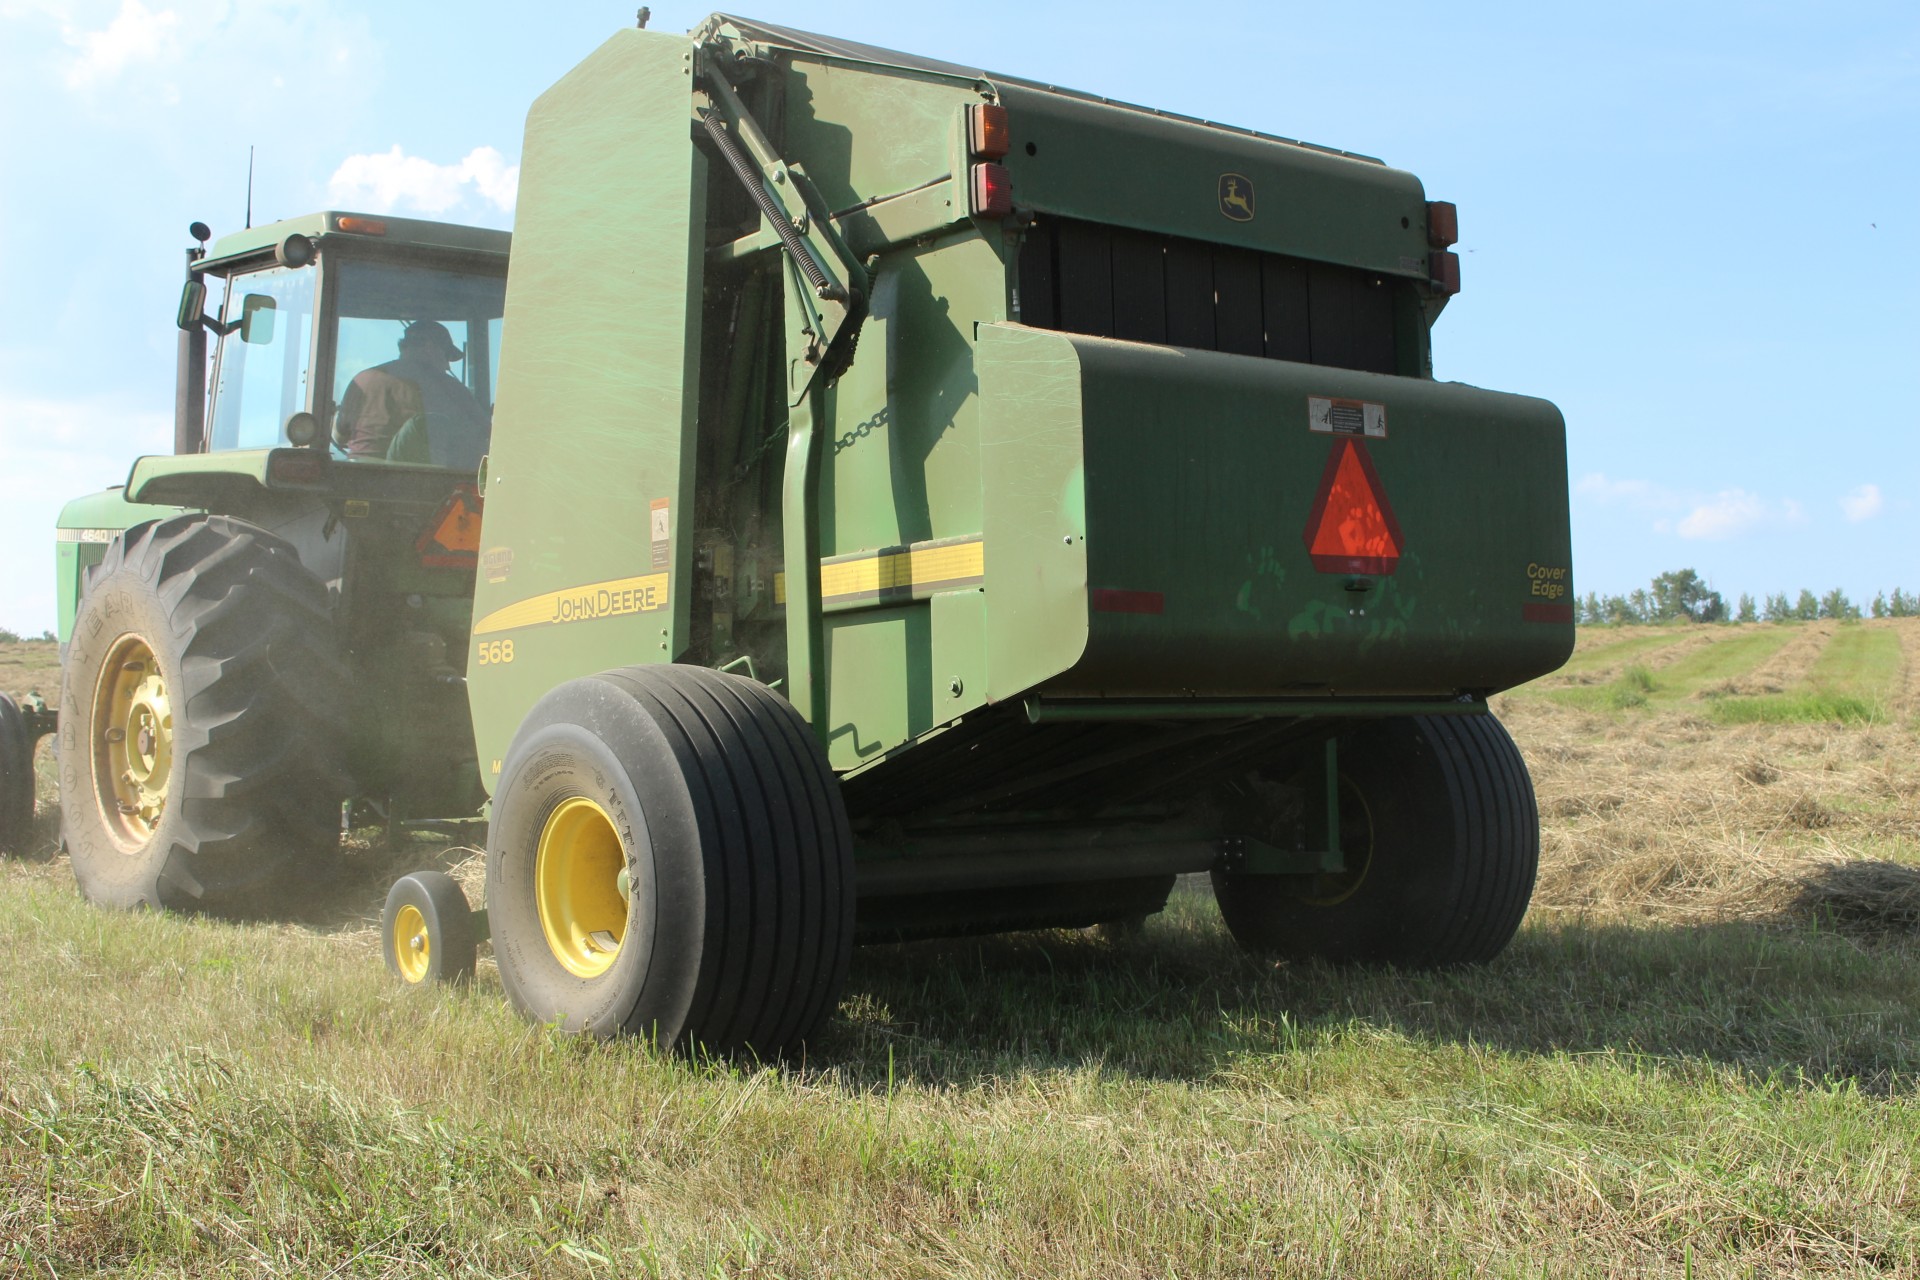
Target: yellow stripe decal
[
  {"x": 898, "y": 573},
  {"x": 580, "y": 604},
  {"x": 909, "y": 571}
]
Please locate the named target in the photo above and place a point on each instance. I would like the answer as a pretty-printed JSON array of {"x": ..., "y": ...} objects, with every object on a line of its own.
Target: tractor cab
[{"x": 372, "y": 338}]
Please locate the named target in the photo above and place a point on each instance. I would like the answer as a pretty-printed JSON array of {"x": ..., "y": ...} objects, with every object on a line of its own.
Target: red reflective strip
[
  {"x": 1108, "y": 600},
  {"x": 1547, "y": 612}
]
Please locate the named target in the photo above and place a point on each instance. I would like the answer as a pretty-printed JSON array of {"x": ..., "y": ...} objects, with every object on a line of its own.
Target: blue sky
[{"x": 1694, "y": 227}]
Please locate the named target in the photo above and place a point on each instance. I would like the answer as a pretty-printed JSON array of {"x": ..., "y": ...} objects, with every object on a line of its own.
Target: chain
[{"x": 752, "y": 460}]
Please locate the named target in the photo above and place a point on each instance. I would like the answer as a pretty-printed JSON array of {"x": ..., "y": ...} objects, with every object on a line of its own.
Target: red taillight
[
  {"x": 1443, "y": 223},
  {"x": 990, "y": 193},
  {"x": 1443, "y": 272},
  {"x": 987, "y": 135},
  {"x": 301, "y": 467}
]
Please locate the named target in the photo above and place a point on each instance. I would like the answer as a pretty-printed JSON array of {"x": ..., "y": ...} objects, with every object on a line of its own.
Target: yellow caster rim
[
  {"x": 131, "y": 734},
  {"x": 580, "y": 883},
  {"x": 412, "y": 944}
]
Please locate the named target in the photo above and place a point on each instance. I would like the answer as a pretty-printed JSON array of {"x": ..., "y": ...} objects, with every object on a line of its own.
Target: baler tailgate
[{"x": 1257, "y": 526}]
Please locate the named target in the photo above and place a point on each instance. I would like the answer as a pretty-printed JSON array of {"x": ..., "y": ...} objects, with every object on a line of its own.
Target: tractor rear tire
[
  {"x": 1442, "y": 841},
  {"x": 669, "y": 857},
  {"x": 16, "y": 778},
  {"x": 200, "y": 720}
]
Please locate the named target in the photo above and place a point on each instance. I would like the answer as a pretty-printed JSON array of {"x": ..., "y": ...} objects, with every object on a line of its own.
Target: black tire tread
[
  {"x": 16, "y": 778},
  {"x": 1452, "y": 881},
  {"x": 258, "y": 694},
  {"x": 773, "y": 843},
  {"x": 1487, "y": 779}
]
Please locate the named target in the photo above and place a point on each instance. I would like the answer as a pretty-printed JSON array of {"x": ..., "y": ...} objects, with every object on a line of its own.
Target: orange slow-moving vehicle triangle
[
  {"x": 1351, "y": 528},
  {"x": 452, "y": 539}
]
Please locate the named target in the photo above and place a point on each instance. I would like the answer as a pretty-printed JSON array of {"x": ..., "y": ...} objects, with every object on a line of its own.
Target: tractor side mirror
[
  {"x": 193, "y": 304},
  {"x": 256, "y": 319}
]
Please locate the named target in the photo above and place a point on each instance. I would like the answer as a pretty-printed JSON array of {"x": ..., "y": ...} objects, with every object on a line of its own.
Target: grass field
[{"x": 1701, "y": 1055}]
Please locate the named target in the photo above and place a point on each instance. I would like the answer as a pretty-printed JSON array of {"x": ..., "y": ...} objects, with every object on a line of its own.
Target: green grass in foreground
[{"x": 184, "y": 1097}]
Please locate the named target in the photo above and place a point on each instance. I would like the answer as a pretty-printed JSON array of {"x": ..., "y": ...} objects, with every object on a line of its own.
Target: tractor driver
[{"x": 411, "y": 409}]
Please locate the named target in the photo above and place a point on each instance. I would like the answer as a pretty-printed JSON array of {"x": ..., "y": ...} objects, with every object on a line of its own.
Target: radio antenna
[{"x": 249, "y": 188}]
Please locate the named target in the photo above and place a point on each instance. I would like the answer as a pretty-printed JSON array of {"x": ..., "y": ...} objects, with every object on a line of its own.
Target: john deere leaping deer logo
[{"x": 1236, "y": 196}]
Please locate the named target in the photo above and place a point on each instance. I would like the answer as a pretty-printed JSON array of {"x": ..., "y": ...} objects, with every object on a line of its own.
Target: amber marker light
[
  {"x": 990, "y": 191},
  {"x": 1443, "y": 224},
  {"x": 362, "y": 226},
  {"x": 987, "y": 133}
]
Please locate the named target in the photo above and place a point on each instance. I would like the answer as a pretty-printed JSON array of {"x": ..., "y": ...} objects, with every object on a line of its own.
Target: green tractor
[{"x": 880, "y": 499}]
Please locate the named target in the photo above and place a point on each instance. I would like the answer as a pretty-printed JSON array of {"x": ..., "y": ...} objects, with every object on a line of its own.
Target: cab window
[
  {"x": 414, "y": 353},
  {"x": 261, "y": 378}
]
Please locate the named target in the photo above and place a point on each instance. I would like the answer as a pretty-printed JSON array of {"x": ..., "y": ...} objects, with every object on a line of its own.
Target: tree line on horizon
[{"x": 1680, "y": 595}]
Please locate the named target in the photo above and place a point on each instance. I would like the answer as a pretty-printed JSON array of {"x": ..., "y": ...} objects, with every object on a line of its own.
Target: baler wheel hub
[{"x": 578, "y": 872}]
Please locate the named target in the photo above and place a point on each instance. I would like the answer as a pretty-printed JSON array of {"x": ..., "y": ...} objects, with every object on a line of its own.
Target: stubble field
[{"x": 1701, "y": 1055}]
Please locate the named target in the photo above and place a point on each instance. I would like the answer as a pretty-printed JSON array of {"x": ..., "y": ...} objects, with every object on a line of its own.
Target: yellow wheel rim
[
  {"x": 131, "y": 737},
  {"x": 580, "y": 880},
  {"x": 412, "y": 945}
]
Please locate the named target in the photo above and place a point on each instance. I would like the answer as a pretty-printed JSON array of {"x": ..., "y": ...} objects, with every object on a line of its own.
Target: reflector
[
  {"x": 987, "y": 134},
  {"x": 1351, "y": 528},
  {"x": 991, "y": 194},
  {"x": 452, "y": 539}
]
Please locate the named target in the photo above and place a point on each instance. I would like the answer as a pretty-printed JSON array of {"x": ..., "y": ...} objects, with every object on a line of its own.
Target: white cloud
[
  {"x": 1692, "y": 514},
  {"x": 1729, "y": 512},
  {"x": 382, "y": 182},
  {"x": 1862, "y": 504},
  {"x": 136, "y": 35}
]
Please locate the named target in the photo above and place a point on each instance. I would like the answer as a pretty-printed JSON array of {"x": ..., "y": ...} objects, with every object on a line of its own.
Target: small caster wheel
[{"x": 428, "y": 930}]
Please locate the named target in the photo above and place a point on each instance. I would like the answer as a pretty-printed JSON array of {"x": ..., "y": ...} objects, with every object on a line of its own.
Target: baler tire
[
  {"x": 714, "y": 796},
  {"x": 212, "y": 630},
  {"x": 1447, "y": 855},
  {"x": 426, "y": 929},
  {"x": 16, "y": 778}
]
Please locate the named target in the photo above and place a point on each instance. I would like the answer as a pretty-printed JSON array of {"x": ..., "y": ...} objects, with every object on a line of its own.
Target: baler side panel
[
  {"x": 866, "y": 133},
  {"x": 597, "y": 388},
  {"x": 1035, "y": 507},
  {"x": 904, "y": 468}
]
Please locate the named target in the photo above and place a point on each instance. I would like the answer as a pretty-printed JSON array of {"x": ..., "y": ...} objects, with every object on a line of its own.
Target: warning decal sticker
[
  {"x": 660, "y": 531},
  {"x": 1347, "y": 417}
]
